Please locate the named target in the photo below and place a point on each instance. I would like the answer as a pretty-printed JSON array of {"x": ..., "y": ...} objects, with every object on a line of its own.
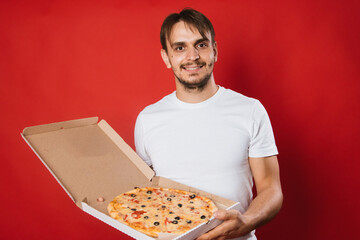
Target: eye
[
  {"x": 180, "y": 48},
  {"x": 202, "y": 45}
]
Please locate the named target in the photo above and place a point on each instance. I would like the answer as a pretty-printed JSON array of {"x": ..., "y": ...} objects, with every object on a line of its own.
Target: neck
[{"x": 196, "y": 95}]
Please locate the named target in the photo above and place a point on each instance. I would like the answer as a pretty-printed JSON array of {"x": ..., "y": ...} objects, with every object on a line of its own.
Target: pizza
[{"x": 161, "y": 210}]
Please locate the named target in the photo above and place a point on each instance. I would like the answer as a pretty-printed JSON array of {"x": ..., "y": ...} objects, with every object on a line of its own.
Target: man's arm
[{"x": 262, "y": 209}]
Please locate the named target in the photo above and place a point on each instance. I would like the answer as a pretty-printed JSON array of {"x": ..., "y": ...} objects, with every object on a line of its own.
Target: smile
[{"x": 192, "y": 68}]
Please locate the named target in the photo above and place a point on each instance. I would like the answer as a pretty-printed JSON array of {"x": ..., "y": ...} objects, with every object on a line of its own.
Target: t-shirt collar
[{"x": 200, "y": 104}]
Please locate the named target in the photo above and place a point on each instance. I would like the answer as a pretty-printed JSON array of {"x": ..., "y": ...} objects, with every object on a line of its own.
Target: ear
[
  {"x": 215, "y": 51},
  {"x": 165, "y": 58}
]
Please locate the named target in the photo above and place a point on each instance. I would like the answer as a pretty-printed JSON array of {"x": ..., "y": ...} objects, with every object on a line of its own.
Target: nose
[{"x": 193, "y": 54}]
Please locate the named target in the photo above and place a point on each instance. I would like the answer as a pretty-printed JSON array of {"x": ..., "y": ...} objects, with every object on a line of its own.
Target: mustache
[{"x": 200, "y": 63}]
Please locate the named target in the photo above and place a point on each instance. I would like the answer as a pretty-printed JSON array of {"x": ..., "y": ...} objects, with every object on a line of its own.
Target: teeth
[{"x": 191, "y": 68}]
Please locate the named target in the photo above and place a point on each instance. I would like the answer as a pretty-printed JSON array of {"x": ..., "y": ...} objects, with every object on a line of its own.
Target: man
[{"x": 209, "y": 137}]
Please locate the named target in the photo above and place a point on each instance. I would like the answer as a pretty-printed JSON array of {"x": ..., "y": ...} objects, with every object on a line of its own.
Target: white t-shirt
[{"x": 206, "y": 145}]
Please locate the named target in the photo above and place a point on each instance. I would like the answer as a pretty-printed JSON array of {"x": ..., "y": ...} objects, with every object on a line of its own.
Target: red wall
[{"x": 63, "y": 60}]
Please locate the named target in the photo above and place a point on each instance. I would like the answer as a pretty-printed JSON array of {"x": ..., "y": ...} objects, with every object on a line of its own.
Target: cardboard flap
[
  {"x": 59, "y": 125},
  {"x": 85, "y": 160},
  {"x": 127, "y": 150}
]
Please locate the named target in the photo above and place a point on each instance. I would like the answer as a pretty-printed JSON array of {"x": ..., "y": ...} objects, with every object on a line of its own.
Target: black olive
[
  {"x": 174, "y": 222},
  {"x": 133, "y": 195},
  {"x": 172, "y": 195},
  {"x": 146, "y": 217},
  {"x": 156, "y": 215},
  {"x": 188, "y": 221},
  {"x": 177, "y": 218},
  {"x": 156, "y": 223},
  {"x": 180, "y": 205},
  {"x": 203, "y": 217},
  {"x": 149, "y": 197},
  {"x": 133, "y": 209},
  {"x": 149, "y": 192},
  {"x": 192, "y": 196},
  {"x": 169, "y": 199},
  {"x": 191, "y": 202},
  {"x": 192, "y": 208},
  {"x": 163, "y": 206},
  {"x": 143, "y": 205},
  {"x": 171, "y": 213}
]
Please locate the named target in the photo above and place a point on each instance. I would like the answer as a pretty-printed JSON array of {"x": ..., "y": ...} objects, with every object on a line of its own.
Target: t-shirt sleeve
[
  {"x": 262, "y": 143},
  {"x": 139, "y": 138}
]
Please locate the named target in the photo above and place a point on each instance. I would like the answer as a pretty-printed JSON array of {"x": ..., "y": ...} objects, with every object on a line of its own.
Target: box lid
[{"x": 88, "y": 158}]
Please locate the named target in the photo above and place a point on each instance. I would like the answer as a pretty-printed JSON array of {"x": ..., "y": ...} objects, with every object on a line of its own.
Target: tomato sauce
[{"x": 137, "y": 214}]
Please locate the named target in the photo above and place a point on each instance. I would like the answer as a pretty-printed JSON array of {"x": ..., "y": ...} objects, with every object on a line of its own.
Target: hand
[{"x": 235, "y": 225}]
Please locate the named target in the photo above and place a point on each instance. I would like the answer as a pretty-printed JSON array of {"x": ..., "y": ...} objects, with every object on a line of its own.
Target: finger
[{"x": 220, "y": 232}]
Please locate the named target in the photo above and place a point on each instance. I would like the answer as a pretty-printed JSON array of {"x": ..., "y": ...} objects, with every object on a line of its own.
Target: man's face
[{"x": 190, "y": 56}]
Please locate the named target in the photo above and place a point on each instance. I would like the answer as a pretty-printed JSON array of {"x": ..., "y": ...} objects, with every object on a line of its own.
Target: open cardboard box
[{"x": 90, "y": 160}]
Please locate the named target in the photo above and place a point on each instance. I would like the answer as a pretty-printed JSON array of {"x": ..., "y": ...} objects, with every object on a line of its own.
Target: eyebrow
[{"x": 183, "y": 43}]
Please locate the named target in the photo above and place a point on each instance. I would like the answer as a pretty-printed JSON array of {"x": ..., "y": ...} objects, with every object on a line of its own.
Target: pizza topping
[
  {"x": 192, "y": 196},
  {"x": 169, "y": 199},
  {"x": 156, "y": 223},
  {"x": 133, "y": 195},
  {"x": 137, "y": 214},
  {"x": 188, "y": 221},
  {"x": 149, "y": 192},
  {"x": 177, "y": 218},
  {"x": 174, "y": 222},
  {"x": 203, "y": 217}
]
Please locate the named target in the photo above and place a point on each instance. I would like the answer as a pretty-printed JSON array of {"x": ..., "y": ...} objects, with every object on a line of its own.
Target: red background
[{"x": 63, "y": 60}]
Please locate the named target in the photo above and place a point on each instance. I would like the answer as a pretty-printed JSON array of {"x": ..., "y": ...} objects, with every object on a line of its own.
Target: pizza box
[{"x": 90, "y": 160}]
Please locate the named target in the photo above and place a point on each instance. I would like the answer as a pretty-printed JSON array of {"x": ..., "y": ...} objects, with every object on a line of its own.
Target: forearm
[
  {"x": 261, "y": 210},
  {"x": 264, "y": 207}
]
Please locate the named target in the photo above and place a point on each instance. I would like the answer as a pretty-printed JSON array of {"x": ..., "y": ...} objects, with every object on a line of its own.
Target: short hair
[{"x": 190, "y": 17}]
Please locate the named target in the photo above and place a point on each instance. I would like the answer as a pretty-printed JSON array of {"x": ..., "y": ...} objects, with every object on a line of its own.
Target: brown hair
[{"x": 190, "y": 17}]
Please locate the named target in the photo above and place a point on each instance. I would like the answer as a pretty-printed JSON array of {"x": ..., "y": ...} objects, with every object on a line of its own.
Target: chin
[{"x": 194, "y": 85}]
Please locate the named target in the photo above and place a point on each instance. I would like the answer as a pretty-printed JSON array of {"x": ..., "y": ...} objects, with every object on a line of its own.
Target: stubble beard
[{"x": 198, "y": 85}]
